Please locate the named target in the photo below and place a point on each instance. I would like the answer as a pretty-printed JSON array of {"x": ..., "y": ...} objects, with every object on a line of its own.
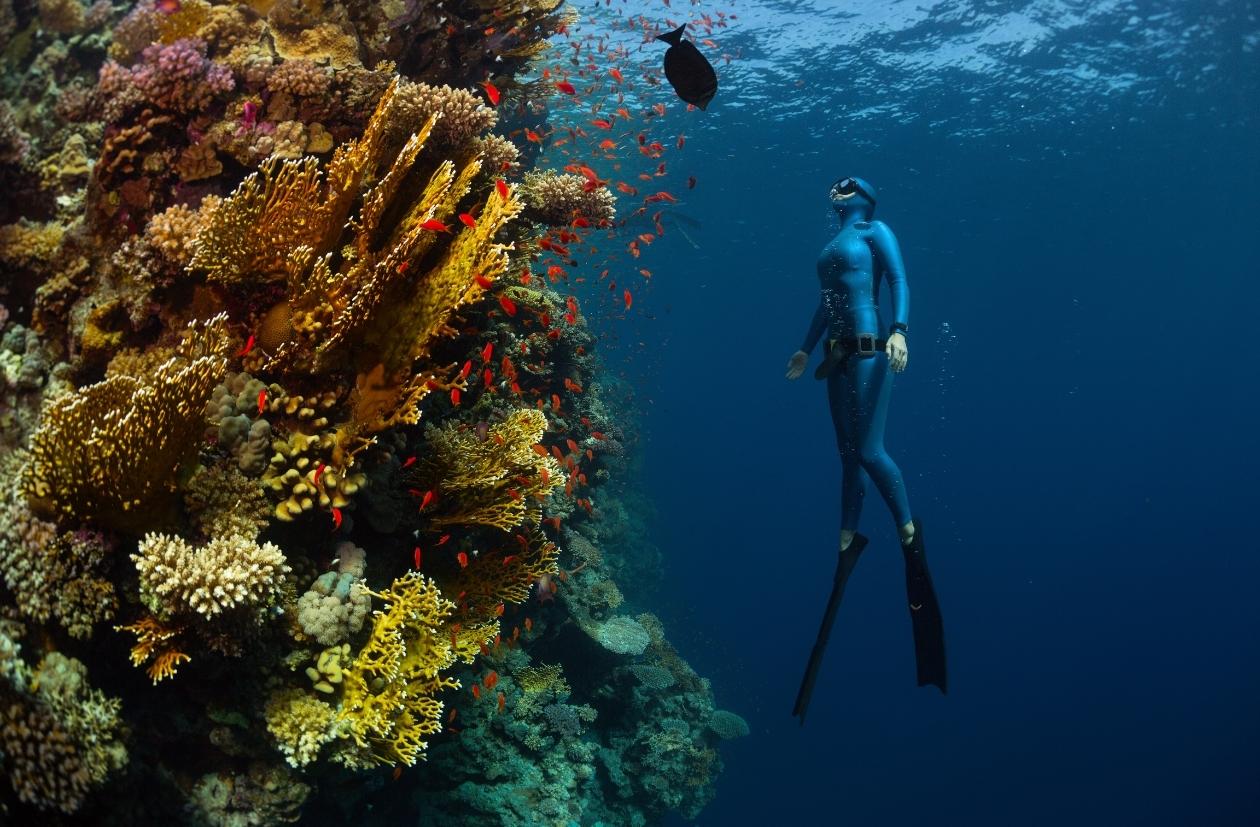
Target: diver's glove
[
  {"x": 898, "y": 355},
  {"x": 796, "y": 365}
]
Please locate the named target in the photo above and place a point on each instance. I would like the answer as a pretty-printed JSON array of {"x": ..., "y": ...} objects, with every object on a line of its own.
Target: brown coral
[{"x": 109, "y": 452}]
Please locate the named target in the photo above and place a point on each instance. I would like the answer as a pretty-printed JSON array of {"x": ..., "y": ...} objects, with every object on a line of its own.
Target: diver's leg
[
  {"x": 842, "y": 400},
  {"x": 871, "y": 380}
]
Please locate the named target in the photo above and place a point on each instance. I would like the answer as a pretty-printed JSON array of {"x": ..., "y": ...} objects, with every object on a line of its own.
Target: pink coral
[{"x": 176, "y": 77}]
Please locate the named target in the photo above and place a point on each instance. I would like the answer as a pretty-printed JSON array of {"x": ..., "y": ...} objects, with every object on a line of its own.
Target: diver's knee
[{"x": 871, "y": 459}]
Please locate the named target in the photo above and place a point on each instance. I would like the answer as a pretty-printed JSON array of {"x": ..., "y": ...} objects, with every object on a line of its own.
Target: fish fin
[{"x": 673, "y": 38}]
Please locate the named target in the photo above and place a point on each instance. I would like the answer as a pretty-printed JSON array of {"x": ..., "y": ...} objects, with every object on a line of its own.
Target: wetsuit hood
[{"x": 853, "y": 196}]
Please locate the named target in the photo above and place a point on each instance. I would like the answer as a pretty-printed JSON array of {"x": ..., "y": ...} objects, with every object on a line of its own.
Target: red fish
[
  {"x": 490, "y": 679},
  {"x": 249, "y": 345},
  {"x": 533, "y": 137},
  {"x": 454, "y": 396},
  {"x": 426, "y": 499},
  {"x": 482, "y": 282},
  {"x": 616, "y": 74},
  {"x": 681, "y": 141},
  {"x": 262, "y": 401},
  {"x": 502, "y": 702},
  {"x": 601, "y": 123},
  {"x": 463, "y": 560},
  {"x": 435, "y": 225},
  {"x": 468, "y": 220},
  {"x": 498, "y": 612},
  {"x": 336, "y": 517},
  {"x": 566, "y": 87},
  {"x": 509, "y": 306},
  {"x": 409, "y": 461},
  {"x": 465, "y": 370},
  {"x": 491, "y": 92},
  {"x": 628, "y": 299},
  {"x": 416, "y": 557},
  {"x": 570, "y": 385},
  {"x": 555, "y": 402},
  {"x": 502, "y": 188},
  {"x": 487, "y": 351},
  {"x": 476, "y": 690},
  {"x": 319, "y": 472},
  {"x": 660, "y": 196},
  {"x": 487, "y": 376},
  {"x": 167, "y": 6},
  {"x": 443, "y": 539},
  {"x": 573, "y": 446}
]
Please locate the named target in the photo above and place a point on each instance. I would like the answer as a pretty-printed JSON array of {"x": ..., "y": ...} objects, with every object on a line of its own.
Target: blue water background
[{"x": 1076, "y": 427}]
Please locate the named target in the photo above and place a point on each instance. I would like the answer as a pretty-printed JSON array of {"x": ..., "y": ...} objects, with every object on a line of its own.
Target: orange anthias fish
[
  {"x": 566, "y": 87},
  {"x": 509, "y": 306},
  {"x": 476, "y": 690},
  {"x": 465, "y": 370},
  {"x": 468, "y": 220},
  {"x": 319, "y": 472},
  {"x": 482, "y": 282},
  {"x": 336, "y": 517},
  {"x": 502, "y": 188},
  {"x": 417, "y": 557},
  {"x": 533, "y": 137},
  {"x": 490, "y": 679},
  {"x": 628, "y": 299},
  {"x": 249, "y": 345},
  {"x": 435, "y": 225},
  {"x": 454, "y": 396},
  {"x": 427, "y": 499},
  {"x": 462, "y": 557},
  {"x": 262, "y": 401},
  {"x": 616, "y": 74},
  {"x": 502, "y": 702},
  {"x": 491, "y": 92}
]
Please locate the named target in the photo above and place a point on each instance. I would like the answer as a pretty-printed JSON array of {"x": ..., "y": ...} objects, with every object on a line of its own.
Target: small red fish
[
  {"x": 502, "y": 702},
  {"x": 398, "y": 772},
  {"x": 532, "y": 137},
  {"x": 454, "y": 396},
  {"x": 463, "y": 560},
  {"x": 465, "y": 370},
  {"x": 681, "y": 140},
  {"x": 498, "y": 612},
  {"x": 416, "y": 557},
  {"x": 426, "y": 499},
  {"x": 573, "y": 446},
  {"x": 442, "y": 540},
  {"x": 468, "y": 220},
  {"x": 566, "y": 87},
  {"x": 487, "y": 351},
  {"x": 319, "y": 472},
  {"x": 482, "y": 282},
  {"x": 490, "y": 679},
  {"x": 601, "y": 123},
  {"x": 502, "y": 188},
  {"x": 476, "y": 690},
  {"x": 555, "y": 402},
  {"x": 509, "y": 306},
  {"x": 262, "y": 401},
  {"x": 487, "y": 376},
  {"x": 616, "y": 74},
  {"x": 249, "y": 345},
  {"x": 507, "y": 561},
  {"x": 491, "y": 92},
  {"x": 628, "y": 299},
  {"x": 336, "y": 517},
  {"x": 408, "y": 462},
  {"x": 529, "y": 625},
  {"x": 435, "y": 225},
  {"x": 167, "y": 6}
]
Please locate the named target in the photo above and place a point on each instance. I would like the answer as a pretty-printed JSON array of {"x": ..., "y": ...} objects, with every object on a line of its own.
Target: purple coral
[{"x": 177, "y": 77}]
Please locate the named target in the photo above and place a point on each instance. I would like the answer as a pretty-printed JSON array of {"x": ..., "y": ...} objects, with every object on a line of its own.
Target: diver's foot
[
  {"x": 907, "y": 534},
  {"x": 846, "y": 539}
]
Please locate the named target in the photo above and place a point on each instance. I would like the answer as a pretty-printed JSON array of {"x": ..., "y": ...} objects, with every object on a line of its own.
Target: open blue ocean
[{"x": 1074, "y": 187}]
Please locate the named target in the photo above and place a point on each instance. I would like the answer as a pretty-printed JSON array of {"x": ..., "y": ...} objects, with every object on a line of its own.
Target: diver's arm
[
  {"x": 888, "y": 253},
  {"x": 799, "y": 359}
]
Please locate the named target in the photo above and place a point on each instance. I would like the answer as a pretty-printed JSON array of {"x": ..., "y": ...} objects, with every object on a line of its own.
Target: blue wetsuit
[{"x": 849, "y": 270}]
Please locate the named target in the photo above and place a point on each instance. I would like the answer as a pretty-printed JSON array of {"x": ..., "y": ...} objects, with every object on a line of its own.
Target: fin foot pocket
[{"x": 925, "y": 615}]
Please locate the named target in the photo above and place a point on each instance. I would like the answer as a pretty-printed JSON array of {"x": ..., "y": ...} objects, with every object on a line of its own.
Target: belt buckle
[{"x": 866, "y": 344}]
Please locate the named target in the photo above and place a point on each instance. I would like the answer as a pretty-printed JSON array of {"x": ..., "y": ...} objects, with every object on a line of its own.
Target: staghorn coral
[
  {"x": 390, "y": 690},
  {"x": 228, "y": 573},
  {"x": 558, "y": 198},
  {"x": 176, "y": 77},
  {"x": 158, "y": 641},
  {"x": 499, "y": 480},
  {"x": 105, "y": 450}
]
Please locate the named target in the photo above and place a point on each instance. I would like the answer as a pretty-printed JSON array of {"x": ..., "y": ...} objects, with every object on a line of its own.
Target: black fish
[{"x": 688, "y": 71}]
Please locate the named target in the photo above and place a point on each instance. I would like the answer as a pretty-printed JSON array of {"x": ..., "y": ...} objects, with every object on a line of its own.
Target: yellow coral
[
  {"x": 505, "y": 575},
  {"x": 542, "y": 678},
  {"x": 155, "y": 640},
  {"x": 390, "y": 690},
  {"x": 499, "y": 481},
  {"x": 301, "y": 725},
  {"x": 108, "y": 451},
  {"x": 291, "y": 476}
]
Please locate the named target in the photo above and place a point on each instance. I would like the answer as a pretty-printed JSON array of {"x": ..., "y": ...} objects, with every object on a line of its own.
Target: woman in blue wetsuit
[{"x": 861, "y": 357}]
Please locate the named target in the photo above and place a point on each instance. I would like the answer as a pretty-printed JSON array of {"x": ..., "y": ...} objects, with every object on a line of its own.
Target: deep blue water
[{"x": 1076, "y": 198}]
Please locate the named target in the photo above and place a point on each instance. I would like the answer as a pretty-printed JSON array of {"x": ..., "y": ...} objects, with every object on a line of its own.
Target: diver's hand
[
  {"x": 898, "y": 355},
  {"x": 796, "y": 365}
]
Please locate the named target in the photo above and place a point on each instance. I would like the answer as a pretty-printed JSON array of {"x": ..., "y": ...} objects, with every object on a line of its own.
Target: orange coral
[{"x": 153, "y": 640}]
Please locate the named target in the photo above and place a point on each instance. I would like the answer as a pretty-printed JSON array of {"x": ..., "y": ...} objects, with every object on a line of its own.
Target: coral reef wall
[{"x": 304, "y": 480}]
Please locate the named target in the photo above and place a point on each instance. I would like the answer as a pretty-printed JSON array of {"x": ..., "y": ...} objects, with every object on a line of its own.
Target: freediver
[{"x": 858, "y": 365}]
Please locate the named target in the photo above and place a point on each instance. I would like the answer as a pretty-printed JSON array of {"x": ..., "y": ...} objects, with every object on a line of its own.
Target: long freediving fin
[
  {"x": 844, "y": 567},
  {"x": 925, "y": 615}
]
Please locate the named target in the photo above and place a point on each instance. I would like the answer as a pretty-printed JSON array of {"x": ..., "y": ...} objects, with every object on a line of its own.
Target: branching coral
[
  {"x": 558, "y": 198},
  {"x": 228, "y": 573},
  {"x": 499, "y": 480},
  {"x": 108, "y": 451},
  {"x": 158, "y": 641},
  {"x": 390, "y": 691},
  {"x": 301, "y": 725}
]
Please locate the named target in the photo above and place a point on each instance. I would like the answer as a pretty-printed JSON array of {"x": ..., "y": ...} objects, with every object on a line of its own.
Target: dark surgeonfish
[{"x": 688, "y": 71}]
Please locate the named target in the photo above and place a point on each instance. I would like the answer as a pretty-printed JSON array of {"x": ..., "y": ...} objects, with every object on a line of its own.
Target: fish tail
[{"x": 673, "y": 38}]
